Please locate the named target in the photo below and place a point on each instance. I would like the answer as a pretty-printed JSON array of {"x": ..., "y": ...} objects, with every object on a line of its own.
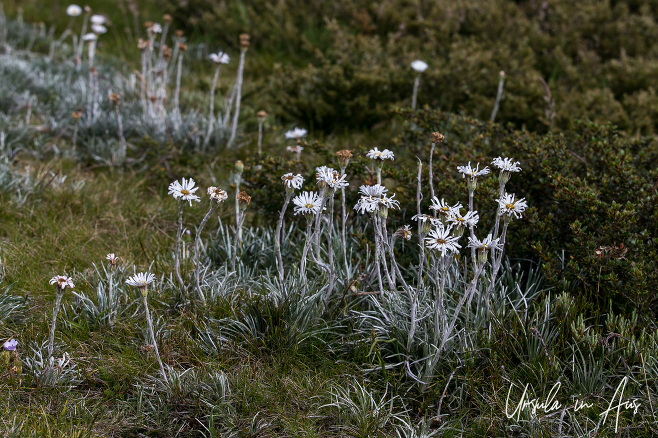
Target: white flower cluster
[
  {"x": 219, "y": 58},
  {"x": 376, "y": 154},
  {"x": 328, "y": 177},
  {"x": 296, "y": 133},
  {"x": 374, "y": 198}
]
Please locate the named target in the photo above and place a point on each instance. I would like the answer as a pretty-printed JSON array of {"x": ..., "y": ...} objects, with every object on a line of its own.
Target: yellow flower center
[
  {"x": 309, "y": 205},
  {"x": 440, "y": 241},
  {"x": 460, "y": 219},
  {"x": 510, "y": 206},
  {"x": 185, "y": 192}
]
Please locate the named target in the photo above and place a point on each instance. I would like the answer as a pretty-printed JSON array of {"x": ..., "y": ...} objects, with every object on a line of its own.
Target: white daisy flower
[
  {"x": 219, "y": 58},
  {"x": 472, "y": 172},
  {"x": 469, "y": 219},
  {"x": 140, "y": 280},
  {"x": 73, "y": 10},
  {"x": 509, "y": 206},
  {"x": 506, "y": 164},
  {"x": 376, "y": 154},
  {"x": 98, "y": 19},
  {"x": 291, "y": 181},
  {"x": 184, "y": 191},
  {"x": 367, "y": 204},
  {"x": 112, "y": 259},
  {"x": 442, "y": 207},
  {"x": 404, "y": 232},
  {"x": 296, "y": 133},
  {"x": 155, "y": 28},
  {"x": 419, "y": 66},
  {"x": 218, "y": 195},
  {"x": 98, "y": 29},
  {"x": 376, "y": 190},
  {"x": 331, "y": 178},
  {"x": 90, "y": 37},
  {"x": 307, "y": 203},
  {"x": 439, "y": 239},
  {"x": 62, "y": 282}
]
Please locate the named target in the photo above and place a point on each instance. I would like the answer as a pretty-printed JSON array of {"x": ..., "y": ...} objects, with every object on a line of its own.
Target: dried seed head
[
  {"x": 501, "y": 74},
  {"x": 166, "y": 18},
  {"x": 93, "y": 71},
  {"x": 142, "y": 44},
  {"x": 437, "y": 137},
  {"x": 114, "y": 98},
  {"x": 77, "y": 115},
  {"x": 344, "y": 157},
  {"x": 243, "y": 200},
  {"x": 148, "y": 24},
  {"x": 179, "y": 33},
  {"x": 261, "y": 115},
  {"x": 87, "y": 10},
  {"x": 153, "y": 98},
  {"x": 182, "y": 47},
  {"x": 166, "y": 52},
  {"x": 245, "y": 40}
]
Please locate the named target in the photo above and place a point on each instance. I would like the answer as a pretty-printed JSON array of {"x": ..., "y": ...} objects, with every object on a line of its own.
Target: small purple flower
[{"x": 10, "y": 345}]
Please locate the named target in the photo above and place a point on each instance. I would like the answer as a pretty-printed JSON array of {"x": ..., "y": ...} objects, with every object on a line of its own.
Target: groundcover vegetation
[{"x": 407, "y": 219}]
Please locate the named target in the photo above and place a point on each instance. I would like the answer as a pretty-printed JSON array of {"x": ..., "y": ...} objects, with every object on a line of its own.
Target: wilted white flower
[
  {"x": 442, "y": 207},
  {"x": 376, "y": 154},
  {"x": 404, "y": 232},
  {"x": 307, "y": 203},
  {"x": 98, "y": 19},
  {"x": 98, "y": 29},
  {"x": 291, "y": 181},
  {"x": 472, "y": 172},
  {"x": 140, "y": 280},
  {"x": 217, "y": 195},
  {"x": 184, "y": 191},
  {"x": 506, "y": 164},
  {"x": 296, "y": 133},
  {"x": 295, "y": 149},
  {"x": 219, "y": 58},
  {"x": 62, "y": 282},
  {"x": 439, "y": 239},
  {"x": 485, "y": 244},
  {"x": 90, "y": 37},
  {"x": 73, "y": 10},
  {"x": 509, "y": 206},
  {"x": 372, "y": 197},
  {"x": 112, "y": 259}
]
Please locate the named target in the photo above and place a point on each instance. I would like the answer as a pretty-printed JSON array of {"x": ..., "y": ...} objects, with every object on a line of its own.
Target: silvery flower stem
[
  {"x": 179, "y": 71},
  {"x": 211, "y": 110},
  {"x": 234, "y": 127},
  {"x": 379, "y": 224},
  {"x": 302, "y": 264},
  {"x": 179, "y": 234},
  {"x": 75, "y": 135},
  {"x": 155, "y": 344},
  {"x": 318, "y": 223},
  {"x": 277, "y": 237},
  {"x": 238, "y": 180},
  {"x": 430, "y": 170},
  {"x": 236, "y": 239},
  {"x": 378, "y": 269},
  {"x": 500, "y": 195},
  {"x": 122, "y": 139},
  {"x": 330, "y": 245},
  {"x": 439, "y": 310},
  {"x": 229, "y": 106},
  {"x": 467, "y": 295},
  {"x": 163, "y": 38},
  {"x": 421, "y": 265},
  {"x": 144, "y": 80},
  {"x": 415, "y": 94},
  {"x": 410, "y": 293},
  {"x": 58, "y": 300},
  {"x": 497, "y": 258},
  {"x": 499, "y": 97},
  {"x": 471, "y": 227},
  {"x": 78, "y": 52},
  {"x": 203, "y": 223},
  {"x": 260, "y": 140},
  {"x": 344, "y": 222},
  {"x": 379, "y": 174},
  {"x": 392, "y": 271},
  {"x": 419, "y": 197}
]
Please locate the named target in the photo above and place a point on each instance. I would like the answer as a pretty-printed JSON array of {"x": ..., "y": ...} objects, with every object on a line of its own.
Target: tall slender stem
[
  {"x": 204, "y": 221},
  {"x": 179, "y": 235},
  {"x": 155, "y": 344},
  {"x": 415, "y": 94},
  {"x": 238, "y": 98},
  {"x": 430, "y": 170},
  {"x": 307, "y": 244},
  {"x": 211, "y": 110},
  {"x": 236, "y": 239},
  {"x": 277, "y": 237},
  {"x": 343, "y": 220},
  {"x": 58, "y": 300},
  {"x": 330, "y": 245},
  {"x": 179, "y": 72}
]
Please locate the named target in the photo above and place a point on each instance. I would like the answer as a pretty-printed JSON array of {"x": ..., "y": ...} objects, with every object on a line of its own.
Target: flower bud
[
  {"x": 239, "y": 167},
  {"x": 344, "y": 158},
  {"x": 437, "y": 137}
]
